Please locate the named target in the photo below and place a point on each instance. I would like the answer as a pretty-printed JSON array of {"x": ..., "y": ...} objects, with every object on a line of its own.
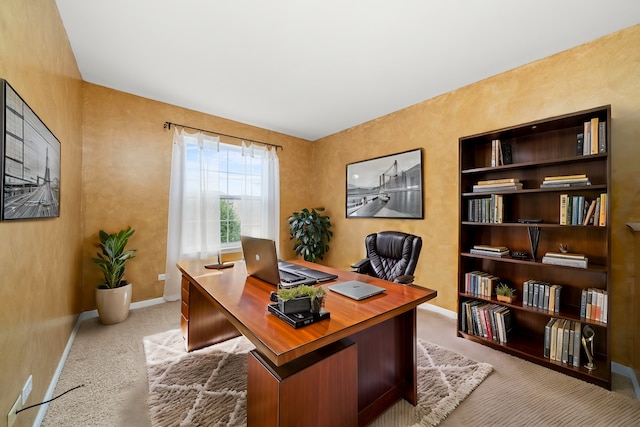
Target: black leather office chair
[{"x": 391, "y": 255}]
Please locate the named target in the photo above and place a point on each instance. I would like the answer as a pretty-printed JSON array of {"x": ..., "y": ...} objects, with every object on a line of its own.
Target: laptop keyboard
[{"x": 287, "y": 277}]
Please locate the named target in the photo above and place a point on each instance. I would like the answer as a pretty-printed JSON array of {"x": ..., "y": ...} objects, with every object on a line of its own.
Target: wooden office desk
[{"x": 379, "y": 334}]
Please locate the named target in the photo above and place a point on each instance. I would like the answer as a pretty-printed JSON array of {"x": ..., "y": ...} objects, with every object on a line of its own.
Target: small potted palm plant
[{"x": 113, "y": 294}]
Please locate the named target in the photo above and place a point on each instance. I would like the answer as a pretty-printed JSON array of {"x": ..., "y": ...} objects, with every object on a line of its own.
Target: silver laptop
[
  {"x": 356, "y": 290},
  {"x": 262, "y": 262}
]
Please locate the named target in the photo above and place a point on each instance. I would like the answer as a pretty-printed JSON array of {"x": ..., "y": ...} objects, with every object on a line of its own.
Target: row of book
[
  {"x": 491, "y": 321},
  {"x": 576, "y": 210},
  {"x": 487, "y": 250},
  {"x": 542, "y": 295},
  {"x": 486, "y": 209},
  {"x": 562, "y": 340},
  {"x": 480, "y": 283},
  {"x": 594, "y": 304},
  {"x": 566, "y": 259},
  {"x": 494, "y": 185},
  {"x": 500, "y": 153},
  {"x": 593, "y": 138},
  {"x": 564, "y": 181}
]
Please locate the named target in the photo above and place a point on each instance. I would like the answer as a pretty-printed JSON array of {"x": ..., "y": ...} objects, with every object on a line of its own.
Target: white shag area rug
[{"x": 208, "y": 387}]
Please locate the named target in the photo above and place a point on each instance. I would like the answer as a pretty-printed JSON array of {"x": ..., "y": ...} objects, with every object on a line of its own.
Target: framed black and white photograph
[
  {"x": 386, "y": 187},
  {"x": 30, "y": 156}
]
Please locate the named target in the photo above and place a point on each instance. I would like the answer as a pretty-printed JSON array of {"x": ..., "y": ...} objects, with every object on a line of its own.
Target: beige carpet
[
  {"x": 110, "y": 361},
  {"x": 208, "y": 386}
]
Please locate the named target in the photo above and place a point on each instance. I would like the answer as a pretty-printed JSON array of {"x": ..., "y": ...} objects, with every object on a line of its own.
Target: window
[{"x": 218, "y": 192}]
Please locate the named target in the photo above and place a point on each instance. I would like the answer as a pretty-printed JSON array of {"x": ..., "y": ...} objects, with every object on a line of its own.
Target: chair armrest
[
  {"x": 405, "y": 279},
  {"x": 361, "y": 266}
]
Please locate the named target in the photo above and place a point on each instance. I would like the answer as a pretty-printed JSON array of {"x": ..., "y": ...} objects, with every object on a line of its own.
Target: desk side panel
[
  {"x": 318, "y": 390},
  {"x": 207, "y": 324},
  {"x": 386, "y": 366}
]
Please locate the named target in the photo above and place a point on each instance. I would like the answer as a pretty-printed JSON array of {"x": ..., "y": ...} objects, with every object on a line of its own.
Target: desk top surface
[{"x": 244, "y": 299}]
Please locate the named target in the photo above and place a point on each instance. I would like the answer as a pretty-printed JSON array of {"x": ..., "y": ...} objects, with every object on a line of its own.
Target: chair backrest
[{"x": 392, "y": 253}]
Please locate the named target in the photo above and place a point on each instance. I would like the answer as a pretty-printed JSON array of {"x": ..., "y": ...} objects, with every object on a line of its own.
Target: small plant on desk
[
  {"x": 505, "y": 293},
  {"x": 314, "y": 295}
]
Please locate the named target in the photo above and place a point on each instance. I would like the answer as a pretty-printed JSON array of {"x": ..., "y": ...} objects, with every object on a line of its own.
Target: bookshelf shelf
[{"x": 536, "y": 151}]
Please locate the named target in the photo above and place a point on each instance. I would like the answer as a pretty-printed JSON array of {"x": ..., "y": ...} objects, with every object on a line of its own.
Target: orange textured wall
[
  {"x": 126, "y": 172},
  {"x": 605, "y": 71},
  {"x": 40, "y": 261}
]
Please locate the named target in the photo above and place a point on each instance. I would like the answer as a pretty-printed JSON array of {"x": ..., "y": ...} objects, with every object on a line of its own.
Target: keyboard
[{"x": 287, "y": 277}]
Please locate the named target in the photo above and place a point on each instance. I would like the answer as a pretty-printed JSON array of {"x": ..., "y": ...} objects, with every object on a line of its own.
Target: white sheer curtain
[
  {"x": 194, "y": 205},
  {"x": 203, "y": 169},
  {"x": 260, "y": 212}
]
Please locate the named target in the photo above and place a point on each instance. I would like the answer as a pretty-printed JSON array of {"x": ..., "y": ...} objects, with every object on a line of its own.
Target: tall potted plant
[
  {"x": 113, "y": 294},
  {"x": 310, "y": 229}
]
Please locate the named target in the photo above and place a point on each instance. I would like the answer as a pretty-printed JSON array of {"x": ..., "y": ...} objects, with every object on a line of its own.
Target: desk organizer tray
[{"x": 297, "y": 320}]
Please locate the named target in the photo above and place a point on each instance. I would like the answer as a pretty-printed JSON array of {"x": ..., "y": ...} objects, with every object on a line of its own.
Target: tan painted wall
[
  {"x": 126, "y": 172},
  {"x": 40, "y": 260},
  {"x": 606, "y": 71}
]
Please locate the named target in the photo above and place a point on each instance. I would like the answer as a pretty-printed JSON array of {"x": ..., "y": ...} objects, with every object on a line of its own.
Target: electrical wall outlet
[
  {"x": 26, "y": 390},
  {"x": 12, "y": 415},
  {"x": 161, "y": 276}
]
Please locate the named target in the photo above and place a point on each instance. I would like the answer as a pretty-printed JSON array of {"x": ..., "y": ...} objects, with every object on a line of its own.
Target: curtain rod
[{"x": 167, "y": 125}]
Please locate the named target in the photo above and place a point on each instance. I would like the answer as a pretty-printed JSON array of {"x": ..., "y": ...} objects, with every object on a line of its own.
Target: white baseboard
[
  {"x": 615, "y": 367},
  {"x": 56, "y": 375},
  {"x": 629, "y": 373},
  {"x": 430, "y": 307}
]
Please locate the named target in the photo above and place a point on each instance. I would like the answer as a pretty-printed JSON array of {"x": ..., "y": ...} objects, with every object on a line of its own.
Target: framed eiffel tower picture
[{"x": 30, "y": 161}]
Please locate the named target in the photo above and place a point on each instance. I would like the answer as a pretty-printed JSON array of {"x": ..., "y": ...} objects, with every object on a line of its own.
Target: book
[
  {"x": 563, "y": 208},
  {"x": 505, "y": 149},
  {"x": 577, "y": 335},
  {"x": 587, "y": 138},
  {"x": 566, "y": 255},
  {"x": 567, "y": 262},
  {"x": 489, "y": 253},
  {"x": 595, "y": 131},
  {"x": 547, "y": 337},
  {"x": 490, "y": 188},
  {"x": 602, "y": 137},
  {"x": 560, "y": 339},
  {"x": 298, "y": 320},
  {"x": 554, "y": 339},
  {"x": 552, "y": 298},
  {"x": 589, "y": 216},
  {"x": 494, "y": 153},
  {"x": 491, "y": 248},
  {"x": 565, "y": 341},
  {"x": 580, "y": 144},
  {"x": 603, "y": 210},
  {"x": 570, "y": 342},
  {"x": 554, "y": 184},
  {"x": 565, "y": 177},
  {"x": 499, "y": 181}
]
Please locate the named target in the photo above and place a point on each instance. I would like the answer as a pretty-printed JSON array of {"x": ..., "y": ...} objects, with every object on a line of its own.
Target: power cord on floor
[{"x": 50, "y": 400}]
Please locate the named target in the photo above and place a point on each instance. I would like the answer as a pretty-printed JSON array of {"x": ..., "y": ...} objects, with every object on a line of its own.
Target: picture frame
[
  {"x": 386, "y": 187},
  {"x": 29, "y": 161}
]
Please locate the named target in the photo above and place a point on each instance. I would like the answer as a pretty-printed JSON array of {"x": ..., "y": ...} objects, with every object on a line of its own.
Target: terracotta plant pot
[{"x": 113, "y": 304}]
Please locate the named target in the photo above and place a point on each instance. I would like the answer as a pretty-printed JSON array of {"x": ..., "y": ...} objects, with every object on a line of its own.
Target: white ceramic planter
[{"x": 113, "y": 304}]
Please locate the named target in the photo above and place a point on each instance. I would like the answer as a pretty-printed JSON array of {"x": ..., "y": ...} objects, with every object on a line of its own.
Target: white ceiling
[{"x": 311, "y": 68}]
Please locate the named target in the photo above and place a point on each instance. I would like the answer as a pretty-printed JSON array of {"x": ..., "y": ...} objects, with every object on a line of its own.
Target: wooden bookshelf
[{"x": 539, "y": 149}]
